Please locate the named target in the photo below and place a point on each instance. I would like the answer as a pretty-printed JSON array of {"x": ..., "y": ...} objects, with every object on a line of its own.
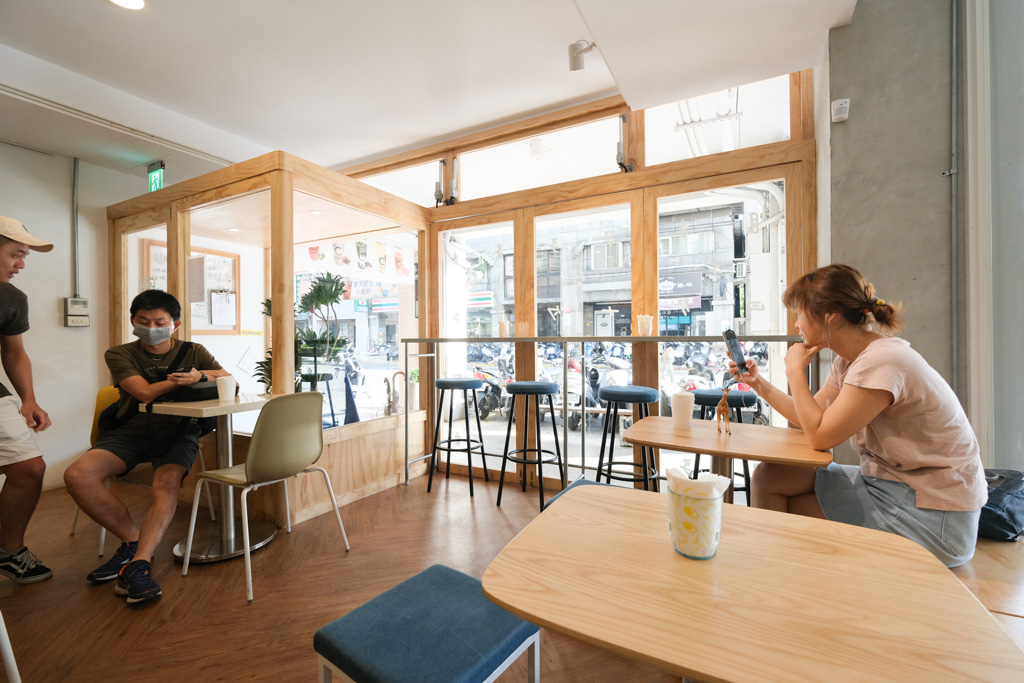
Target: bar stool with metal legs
[
  {"x": 467, "y": 385},
  {"x": 540, "y": 455},
  {"x": 708, "y": 400},
  {"x": 616, "y": 396}
]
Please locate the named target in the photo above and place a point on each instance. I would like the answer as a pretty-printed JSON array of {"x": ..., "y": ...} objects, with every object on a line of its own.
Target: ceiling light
[
  {"x": 130, "y": 4},
  {"x": 234, "y": 230},
  {"x": 576, "y": 52},
  {"x": 316, "y": 212}
]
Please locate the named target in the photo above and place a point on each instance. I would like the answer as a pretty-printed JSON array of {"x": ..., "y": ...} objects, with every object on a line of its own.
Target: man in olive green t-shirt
[{"x": 140, "y": 370}]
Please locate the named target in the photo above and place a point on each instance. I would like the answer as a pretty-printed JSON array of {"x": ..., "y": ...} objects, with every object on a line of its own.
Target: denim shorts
[
  {"x": 174, "y": 448},
  {"x": 17, "y": 440},
  {"x": 847, "y": 496}
]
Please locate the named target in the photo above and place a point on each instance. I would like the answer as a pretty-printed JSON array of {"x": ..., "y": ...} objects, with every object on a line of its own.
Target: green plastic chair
[{"x": 287, "y": 441}]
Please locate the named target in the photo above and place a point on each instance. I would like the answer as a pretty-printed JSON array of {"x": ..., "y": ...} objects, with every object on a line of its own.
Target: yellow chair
[
  {"x": 104, "y": 397},
  {"x": 287, "y": 441}
]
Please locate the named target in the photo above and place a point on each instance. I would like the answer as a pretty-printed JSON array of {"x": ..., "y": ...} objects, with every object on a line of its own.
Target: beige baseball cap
[{"x": 14, "y": 230}]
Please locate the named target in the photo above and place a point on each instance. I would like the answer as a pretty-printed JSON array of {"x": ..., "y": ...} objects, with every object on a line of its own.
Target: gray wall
[
  {"x": 1007, "y": 99},
  {"x": 890, "y": 206}
]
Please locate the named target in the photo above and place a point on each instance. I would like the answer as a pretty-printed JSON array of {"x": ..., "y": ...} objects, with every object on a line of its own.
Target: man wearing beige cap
[{"x": 20, "y": 458}]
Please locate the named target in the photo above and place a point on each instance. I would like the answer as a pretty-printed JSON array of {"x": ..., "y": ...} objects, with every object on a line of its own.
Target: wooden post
[{"x": 282, "y": 282}]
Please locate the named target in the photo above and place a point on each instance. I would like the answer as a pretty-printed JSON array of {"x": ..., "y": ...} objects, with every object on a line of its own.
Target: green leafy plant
[
  {"x": 414, "y": 375},
  {"x": 325, "y": 292}
]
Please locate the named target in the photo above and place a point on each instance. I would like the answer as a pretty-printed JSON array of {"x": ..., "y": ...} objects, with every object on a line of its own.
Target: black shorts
[{"x": 178, "y": 447}]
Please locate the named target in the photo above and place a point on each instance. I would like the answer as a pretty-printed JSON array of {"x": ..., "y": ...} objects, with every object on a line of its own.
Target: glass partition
[
  {"x": 582, "y": 151},
  {"x": 477, "y": 269},
  {"x": 736, "y": 118},
  {"x": 415, "y": 183}
]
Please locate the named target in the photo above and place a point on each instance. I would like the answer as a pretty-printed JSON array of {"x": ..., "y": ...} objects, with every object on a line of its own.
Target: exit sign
[{"x": 156, "y": 176}]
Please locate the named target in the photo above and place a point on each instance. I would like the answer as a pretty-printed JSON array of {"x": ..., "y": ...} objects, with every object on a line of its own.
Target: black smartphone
[
  {"x": 735, "y": 351},
  {"x": 183, "y": 368}
]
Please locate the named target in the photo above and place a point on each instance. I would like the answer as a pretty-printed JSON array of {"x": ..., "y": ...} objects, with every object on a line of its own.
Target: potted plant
[{"x": 414, "y": 389}]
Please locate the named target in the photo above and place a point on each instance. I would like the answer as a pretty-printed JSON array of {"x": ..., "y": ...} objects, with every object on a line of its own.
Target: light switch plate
[{"x": 76, "y": 321}]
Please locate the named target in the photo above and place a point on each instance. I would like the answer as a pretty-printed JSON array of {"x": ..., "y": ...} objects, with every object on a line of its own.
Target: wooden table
[
  {"x": 786, "y": 598},
  {"x": 747, "y": 442},
  {"x": 225, "y": 540}
]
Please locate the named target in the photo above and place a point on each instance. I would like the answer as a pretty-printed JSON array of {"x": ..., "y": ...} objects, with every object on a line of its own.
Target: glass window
[
  {"x": 477, "y": 297},
  {"x": 415, "y": 183},
  {"x": 582, "y": 151},
  {"x": 714, "y": 273},
  {"x": 745, "y": 116},
  {"x": 355, "y": 333}
]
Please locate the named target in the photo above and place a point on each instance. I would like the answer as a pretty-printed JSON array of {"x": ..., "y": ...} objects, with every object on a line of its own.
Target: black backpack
[{"x": 1002, "y": 517}]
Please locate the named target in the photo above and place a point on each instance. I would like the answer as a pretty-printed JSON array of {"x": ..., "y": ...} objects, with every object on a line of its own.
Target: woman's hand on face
[{"x": 799, "y": 356}]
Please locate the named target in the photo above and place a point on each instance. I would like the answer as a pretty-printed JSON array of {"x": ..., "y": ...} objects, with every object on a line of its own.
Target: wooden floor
[{"x": 202, "y": 629}]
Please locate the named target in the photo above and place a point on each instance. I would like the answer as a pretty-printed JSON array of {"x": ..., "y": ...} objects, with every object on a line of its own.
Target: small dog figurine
[{"x": 722, "y": 411}]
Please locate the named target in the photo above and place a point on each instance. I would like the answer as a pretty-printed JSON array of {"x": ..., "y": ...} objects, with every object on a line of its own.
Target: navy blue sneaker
[
  {"x": 23, "y": 566},
  {"x": 136, "y": 582},
  {"x": 109, "y": 569}
]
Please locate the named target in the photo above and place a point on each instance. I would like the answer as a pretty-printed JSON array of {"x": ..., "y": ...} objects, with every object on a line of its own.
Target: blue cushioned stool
[
  {"x": 708, "y": 400},
  {"x": 616, "y": 396},
  {"x": 466, "y": 385},
  {"x": 435, "y": 626},
  {"x": 539, "y": 455}
]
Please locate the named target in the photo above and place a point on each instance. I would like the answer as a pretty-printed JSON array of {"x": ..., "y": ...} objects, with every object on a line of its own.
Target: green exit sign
[{"x": 156, "y": 176}]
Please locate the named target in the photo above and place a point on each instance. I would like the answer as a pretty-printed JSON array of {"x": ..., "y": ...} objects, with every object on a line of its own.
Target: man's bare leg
[{"x": 18, "y": 499}]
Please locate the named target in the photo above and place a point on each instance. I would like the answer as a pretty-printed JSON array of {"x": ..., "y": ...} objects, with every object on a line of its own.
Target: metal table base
[{"x": 209, "y": 545}]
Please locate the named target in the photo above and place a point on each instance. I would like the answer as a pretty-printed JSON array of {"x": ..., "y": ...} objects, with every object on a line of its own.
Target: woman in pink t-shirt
[{"x": 920, "y": 473}]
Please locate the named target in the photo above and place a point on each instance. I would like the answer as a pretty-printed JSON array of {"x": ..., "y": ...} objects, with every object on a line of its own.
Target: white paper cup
[
  {"x": 645, "y": 325},
  {"x": 695, "y": 524},
  {"x": 682, "y": 408},
  {"x": 226, "y": 388}
]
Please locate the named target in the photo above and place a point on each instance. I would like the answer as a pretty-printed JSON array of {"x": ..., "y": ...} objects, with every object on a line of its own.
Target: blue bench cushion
[
  {"x": 437, "y": 625},
  {"x": 459, "y": 383},
  {"x": 532, "y": 388},
  {"x": 629, "y": 394},
  {"x": 737, "y": 399}
]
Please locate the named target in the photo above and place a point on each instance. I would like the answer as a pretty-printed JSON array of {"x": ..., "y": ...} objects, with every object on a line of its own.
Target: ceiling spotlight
[
  {"x": 576, "y": 52},
  {"x": 316, "y": 212},
  {"x": 130, "y": 4}
]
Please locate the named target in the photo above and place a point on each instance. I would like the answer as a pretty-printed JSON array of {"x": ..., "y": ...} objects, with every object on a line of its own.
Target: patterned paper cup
[{"x": 695, "y": 524}]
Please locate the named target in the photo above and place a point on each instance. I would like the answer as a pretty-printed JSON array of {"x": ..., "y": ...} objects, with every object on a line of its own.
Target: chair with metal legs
[
  {"x": 526, "y": 455},
  {"x": 648, "y": 470},
  {"x": 466, "y": 385}
]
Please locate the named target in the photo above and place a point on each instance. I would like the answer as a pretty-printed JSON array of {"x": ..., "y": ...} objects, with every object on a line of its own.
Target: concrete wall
[
  {"x": 890, "y": 206},
  {"x": 67, "y": 363},
  {"x": 1007, "y": 88}
]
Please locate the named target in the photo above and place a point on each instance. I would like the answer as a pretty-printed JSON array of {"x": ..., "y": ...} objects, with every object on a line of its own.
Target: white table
[{"x": 225, "y": 540}]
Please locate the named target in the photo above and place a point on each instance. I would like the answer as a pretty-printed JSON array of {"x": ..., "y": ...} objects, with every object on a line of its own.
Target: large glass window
[
  {"x": 478, "y": 300},
  {"x": 582, "y": 151},
  {"x": 584, "y": 286},
  {"x": 745, "y": 116},
  {"x": 415, "y": 183}
]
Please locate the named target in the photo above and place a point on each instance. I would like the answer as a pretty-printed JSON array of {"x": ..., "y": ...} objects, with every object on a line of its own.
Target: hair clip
[{"x": 879, "y": 302}]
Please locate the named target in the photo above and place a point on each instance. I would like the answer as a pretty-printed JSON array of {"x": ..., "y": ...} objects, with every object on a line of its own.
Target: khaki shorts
[{"x": 17, "y": 440}]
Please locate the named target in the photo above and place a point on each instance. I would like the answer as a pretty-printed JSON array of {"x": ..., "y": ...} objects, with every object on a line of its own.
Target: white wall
[{"x": 67, "y": 362}]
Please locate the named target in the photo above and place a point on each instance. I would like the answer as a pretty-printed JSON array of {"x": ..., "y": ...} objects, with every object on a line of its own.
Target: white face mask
[{"x": 152, "y": 335}]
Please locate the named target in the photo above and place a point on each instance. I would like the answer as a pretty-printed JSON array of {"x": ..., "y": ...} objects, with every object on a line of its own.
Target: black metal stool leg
[
  {"x": 563, "y": 474},
  {"x": 433, "y": 454},
  {"x": 469, "y": 443},
  {"x": 526, "y": 439},
  {"x": 451, "y": 418},
  {"x": 611, "y": 437},
  {"x": 504, "y": 457},
  {"x": 540, "y": 455},
  {"x": 604, "y": 438},
  {"x": 480, "y": 433}
]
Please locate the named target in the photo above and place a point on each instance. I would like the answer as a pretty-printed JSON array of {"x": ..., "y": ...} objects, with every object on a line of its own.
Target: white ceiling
[{"x": 201, "y": 84}]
